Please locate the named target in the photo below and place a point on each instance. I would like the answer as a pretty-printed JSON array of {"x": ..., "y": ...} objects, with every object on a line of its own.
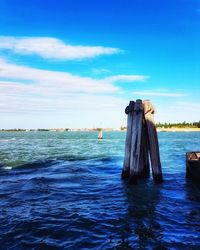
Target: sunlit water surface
[{"x": 63, "y": 191}]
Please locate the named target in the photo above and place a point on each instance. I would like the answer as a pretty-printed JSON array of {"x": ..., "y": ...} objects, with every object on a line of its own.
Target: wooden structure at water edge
[
  {"x": 141, "y": 144},
  {"x": 193, "y": 166}
]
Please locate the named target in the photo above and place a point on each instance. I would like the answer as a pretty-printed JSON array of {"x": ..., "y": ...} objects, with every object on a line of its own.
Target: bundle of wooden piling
[{"x": 141, "y": 143}]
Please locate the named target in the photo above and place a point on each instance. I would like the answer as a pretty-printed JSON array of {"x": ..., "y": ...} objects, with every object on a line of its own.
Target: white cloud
[
  {"x": 189, "y": 106},
  {"x": 52, "y": 48},
  {"x": 178, "y": 111},
  {"x": 158, "y": 93},
  {"x": 25, "y": 89},
  {"x": 100, "y": 71},
  {"x": 126, "y": 78},
  {"x": 45, "y": 81},
  {"x": 19, "y": 103}
]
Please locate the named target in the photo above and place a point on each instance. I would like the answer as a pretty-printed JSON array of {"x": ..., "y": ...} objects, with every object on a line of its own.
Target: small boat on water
[
  {"x": 100, "y": 136},
  {"x": 193, "y": 166}
]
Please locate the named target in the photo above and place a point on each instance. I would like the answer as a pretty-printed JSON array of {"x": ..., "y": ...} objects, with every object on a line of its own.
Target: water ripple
[{"x": 63, "y": 191}]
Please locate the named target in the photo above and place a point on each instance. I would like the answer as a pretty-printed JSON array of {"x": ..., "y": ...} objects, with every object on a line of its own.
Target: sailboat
[{"x": 100, "y": 136}]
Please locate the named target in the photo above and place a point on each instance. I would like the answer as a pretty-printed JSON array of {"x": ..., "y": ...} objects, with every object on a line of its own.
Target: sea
[{"x": 63, "y": 190}]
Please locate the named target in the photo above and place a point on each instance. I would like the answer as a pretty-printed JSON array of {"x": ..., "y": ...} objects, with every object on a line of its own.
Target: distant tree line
[
  {"x": 122, "y": 128},
  {"x": 173, "y": 125},
  {"x": 13, "y": 130},
  {"x": 40, "y": 129},
  {"x": 179, "y": 125}
]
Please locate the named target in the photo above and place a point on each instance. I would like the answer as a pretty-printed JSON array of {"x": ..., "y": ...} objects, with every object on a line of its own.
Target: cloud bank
[
  {"x": 26, "y": 89},
  {"x": 52, "y": 48},
  {"x": 165, "y": 93}
]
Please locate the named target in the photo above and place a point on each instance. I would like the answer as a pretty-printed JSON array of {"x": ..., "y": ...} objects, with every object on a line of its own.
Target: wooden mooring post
[{"x": 141, "y": 143}]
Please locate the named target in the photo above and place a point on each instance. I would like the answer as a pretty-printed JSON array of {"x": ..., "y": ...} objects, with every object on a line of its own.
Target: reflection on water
[
  {"x": 141, "y": 218},
  {"x": 63, "y": 191}
]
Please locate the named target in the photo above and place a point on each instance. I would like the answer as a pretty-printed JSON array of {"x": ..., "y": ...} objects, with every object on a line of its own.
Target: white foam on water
[
  {"x": 13, "y": 139},
  {"x": 7, "y": 168}
]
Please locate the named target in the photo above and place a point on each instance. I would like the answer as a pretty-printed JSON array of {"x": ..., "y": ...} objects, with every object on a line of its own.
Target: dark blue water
[{"x": 63, "y": 191}]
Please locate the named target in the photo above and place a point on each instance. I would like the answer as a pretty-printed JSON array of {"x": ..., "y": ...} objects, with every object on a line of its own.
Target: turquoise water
[{"x": 62, "y": 190}]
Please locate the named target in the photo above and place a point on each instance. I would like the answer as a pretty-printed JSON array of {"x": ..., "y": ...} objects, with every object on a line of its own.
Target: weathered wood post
[
  {"x": 149, "y": 111},
  {"x": 141, "y": 143},
  {"x": 126, "y": 165},
  {"x": 135, "y": 159},
  {"x": 145, "y": 152}
]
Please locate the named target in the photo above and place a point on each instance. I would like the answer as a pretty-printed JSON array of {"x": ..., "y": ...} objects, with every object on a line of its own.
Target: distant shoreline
[
  {"x": 173, "y": 129},
  {"x": 178, "y": 129}
]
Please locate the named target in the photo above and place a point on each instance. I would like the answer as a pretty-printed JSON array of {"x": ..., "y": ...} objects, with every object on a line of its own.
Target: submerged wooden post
[
  {"x": 126, "y": 165},
  {"x": 135, "y": 159},
  {"x": 153, "y": 141},
  {"x": 141, "y": 143}
]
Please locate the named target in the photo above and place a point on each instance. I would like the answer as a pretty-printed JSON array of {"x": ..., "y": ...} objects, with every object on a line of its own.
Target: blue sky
[{"x": 78, "y": 63}]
